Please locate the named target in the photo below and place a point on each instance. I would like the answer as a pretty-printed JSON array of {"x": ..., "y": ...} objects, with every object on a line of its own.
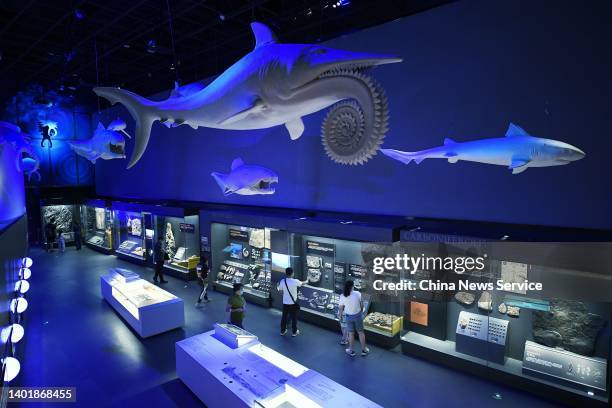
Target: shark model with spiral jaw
[
  {"x": 517, "y": 150},
  {"x": 278, "y": 84}
]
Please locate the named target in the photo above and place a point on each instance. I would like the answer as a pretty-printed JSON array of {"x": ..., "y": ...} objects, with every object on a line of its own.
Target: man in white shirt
[{"x": 289, "y": 288}]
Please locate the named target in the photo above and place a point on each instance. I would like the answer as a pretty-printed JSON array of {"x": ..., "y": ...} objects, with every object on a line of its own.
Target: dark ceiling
[{"x": 71, "y": 45}]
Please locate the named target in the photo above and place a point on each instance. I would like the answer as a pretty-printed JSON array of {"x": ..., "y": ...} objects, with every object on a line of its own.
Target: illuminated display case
[
  {"x": 148, "y": 309},
  {"x": 129, "y": 237},
  {"x": 97, "y": 225},
  {"x": 242, "y": 255},
  {"x": 250, "y": 374},
  {"x": 182, "y": 243},
  {"x": 555, "y": 341}
]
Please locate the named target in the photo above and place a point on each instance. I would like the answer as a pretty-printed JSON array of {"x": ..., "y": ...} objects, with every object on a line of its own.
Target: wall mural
[
  {"x": 21, "y": 142},
  {"x": 106, "y": 143},
  {"x": 517, "y": 150},
  {"x": 277, "y": 84},
  {"x": 246, "y": 179},
  {"x": 48, "y": 129}
]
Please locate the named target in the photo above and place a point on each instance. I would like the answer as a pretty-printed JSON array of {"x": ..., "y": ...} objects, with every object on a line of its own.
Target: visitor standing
[
  {"x": 77, "y": 236},
  {"x": 236, "y": 305},
  {"x": 351, "y": 307},
  {"x": 202, "y": 270},
  {"x": 160, "y": 257},
  {"x": 61, "y": 241},
  {"x": 50, "y": 231},
  {"x": 289, "y": 288}
]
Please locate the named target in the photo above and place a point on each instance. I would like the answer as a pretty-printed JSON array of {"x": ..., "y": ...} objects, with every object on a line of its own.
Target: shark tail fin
[
  {"x": 404, "y": 157},
  {"x": 142, "y": 110},
  {"x": 221, "y": 178}
]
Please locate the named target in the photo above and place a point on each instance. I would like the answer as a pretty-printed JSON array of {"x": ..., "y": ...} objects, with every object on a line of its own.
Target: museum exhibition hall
[{"x": 309, "y": 204}]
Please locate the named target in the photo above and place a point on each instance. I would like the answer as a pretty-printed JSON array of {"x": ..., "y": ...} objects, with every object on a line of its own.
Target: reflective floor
[{"x": 74, "y": 338}]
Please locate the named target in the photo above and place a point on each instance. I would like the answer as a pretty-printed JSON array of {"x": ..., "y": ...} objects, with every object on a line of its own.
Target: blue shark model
[
  {"x": 518, "y": 151},
  {"x": 105, "y": 144},
  {"x": 246, "y": 179},
  {"x": 30, "y": 167},
  {"x": 278, "y": 84},
  {"x": 21, "y": 142}
]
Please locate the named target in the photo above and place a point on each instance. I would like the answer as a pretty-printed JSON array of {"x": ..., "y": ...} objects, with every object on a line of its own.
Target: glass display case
[
  {"x": 58, "y": 219},
  {"x": 243, "y": 255},
  {"x": 97, "y": 226},
  {"x": 129, "y": 236},
  {"x": 181, "y": 238}
]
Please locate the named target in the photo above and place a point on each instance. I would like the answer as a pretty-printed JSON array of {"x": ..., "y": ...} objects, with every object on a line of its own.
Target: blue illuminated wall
[
  {"x": 12, "y": 195},
  {"x": 469, "y": 69}
]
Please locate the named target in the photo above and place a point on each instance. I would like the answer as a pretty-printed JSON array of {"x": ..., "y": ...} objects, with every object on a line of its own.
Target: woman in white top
[{"x": 352, "y": 307}]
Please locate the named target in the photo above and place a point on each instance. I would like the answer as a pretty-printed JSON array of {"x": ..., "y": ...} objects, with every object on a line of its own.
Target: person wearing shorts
[{"x": 351, "y": 307}]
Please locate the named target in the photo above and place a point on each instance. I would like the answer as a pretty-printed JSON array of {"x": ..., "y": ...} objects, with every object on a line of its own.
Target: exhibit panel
[
  {"x": 148, "y": 309},
  {"x": 496, "y": 322},
  {"x": 245, "y": 373},
  {"x": 244, "y": 255},
  {"x": 59, "y": 219},
  {"x": 180, "y": 235},
  {"x": 97, "y": 225}
]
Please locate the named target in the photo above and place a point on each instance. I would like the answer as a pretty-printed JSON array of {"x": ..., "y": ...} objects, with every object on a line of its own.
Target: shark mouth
[
  {"x": 355, "y": 127},
  {"x": 117, "y": 148},
  {"x": 266, "y": 185}
]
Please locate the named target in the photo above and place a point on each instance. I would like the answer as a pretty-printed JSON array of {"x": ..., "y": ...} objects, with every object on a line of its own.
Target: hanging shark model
[
  {"x": 21, "y": 142},
  {"x": 278, "y": 84},
  {"x": 518, "y": 150},
  {"x": 246, "y": 179},
  {"x": 106, "y": 143}
]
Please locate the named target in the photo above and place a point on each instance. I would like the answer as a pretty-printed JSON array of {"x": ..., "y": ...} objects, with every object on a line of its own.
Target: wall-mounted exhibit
[{"x": 97, "y": 225}]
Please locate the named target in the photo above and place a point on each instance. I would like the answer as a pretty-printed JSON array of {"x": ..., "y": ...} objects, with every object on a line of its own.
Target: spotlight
[
  {"x": 151, "y": 46},
  {"x": 25, "y": 273},
  {"x": 16, "y": 332},
  {"x": 78, "y": 14},
  {"x": 22, "y": 286},
  {"x": 222, "y": 17},
  {"x": 126, "y": 45},
  {"x": 19, "y": 305},
  {"x": 11, "y": 368},
  {"x": 26, "y": 262}
]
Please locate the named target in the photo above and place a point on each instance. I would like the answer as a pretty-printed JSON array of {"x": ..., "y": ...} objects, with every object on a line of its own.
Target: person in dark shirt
[
  {"x": 202, "y": 270},
  {"x": 160, "y": 257},
  {"x": 77, "y": 236},
  {"x": 236, "y": 305}
]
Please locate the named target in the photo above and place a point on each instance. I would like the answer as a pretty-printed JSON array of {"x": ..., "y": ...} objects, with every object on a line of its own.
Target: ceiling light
[
  {"x": 16, "y": 332},
  {"x": 19, "y": 305},
  {"x": 26, "y": 262},
  {"x": 25, "y": 273},
  {"x": 22, "y": 286}
]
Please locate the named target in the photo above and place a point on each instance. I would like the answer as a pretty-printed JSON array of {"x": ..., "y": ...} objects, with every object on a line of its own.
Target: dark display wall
[{"x": 470, "y": 68}]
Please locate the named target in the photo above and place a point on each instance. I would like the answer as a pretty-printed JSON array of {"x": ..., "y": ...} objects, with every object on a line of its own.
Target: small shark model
[
  {"x": 246, "y": 179},
  {"x": 21, "y": 142},
  {"x": 517, "y": 150},
  {"x": 277, "y": 84},
  {"x": 106, "y": 143}
]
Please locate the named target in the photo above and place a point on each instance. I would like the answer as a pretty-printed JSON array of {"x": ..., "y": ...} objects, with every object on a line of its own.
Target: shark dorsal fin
[
  {"x": 100, "y": 127},
  {"x": 237, "y": 163},
  {"x": 263, "y": 34},
  {"x": 514, "y": 130},
  {"x": 449, "y": 141}
]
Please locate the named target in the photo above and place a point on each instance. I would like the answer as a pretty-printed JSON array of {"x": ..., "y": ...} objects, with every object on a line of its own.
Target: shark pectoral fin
[
  {"x": 255, "y": 107},
  {"x": 519, "y": 165},
  {"x": 221, "y": 178},
  {"x": 452, "y": 156},
  {"x": 295, "y": 128}
]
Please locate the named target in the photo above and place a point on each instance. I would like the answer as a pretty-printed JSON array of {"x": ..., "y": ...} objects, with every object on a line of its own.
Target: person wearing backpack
[{"x": 289, "y": 288}]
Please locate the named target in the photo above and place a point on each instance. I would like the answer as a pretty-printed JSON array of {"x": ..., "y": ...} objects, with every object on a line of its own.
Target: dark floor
[{"x": 74, "y": 338}]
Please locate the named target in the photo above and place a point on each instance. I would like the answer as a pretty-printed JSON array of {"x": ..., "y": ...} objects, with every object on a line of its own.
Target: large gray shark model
[
  {"x": 106, "y": 143},
  {"x": 517, "y": 150},
  {"x": 278, "y": 84},
  {"x": 246, "y": 179}
]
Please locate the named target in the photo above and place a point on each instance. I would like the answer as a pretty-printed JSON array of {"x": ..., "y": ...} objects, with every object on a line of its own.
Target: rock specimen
[
  {"x": 486, "y": 301},
  {"x": 514, "y": 311},
  {"x": 502, "y": 308},
  {"x": 170, "y": 243},
  {"x": 465, "y": 298},
  {"x": 568, "y": 325},
  {"x": 61, "y": 215}
]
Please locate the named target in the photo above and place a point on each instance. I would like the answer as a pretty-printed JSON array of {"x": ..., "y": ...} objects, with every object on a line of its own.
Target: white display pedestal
[
  {"x": 253, "y": 375},
  {"x": 147, "y": 308}
]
